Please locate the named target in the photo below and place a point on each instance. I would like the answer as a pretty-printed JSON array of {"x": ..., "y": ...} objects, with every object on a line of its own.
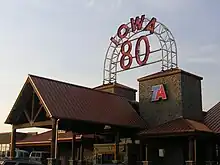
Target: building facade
[{"x": 166, "y": 126}]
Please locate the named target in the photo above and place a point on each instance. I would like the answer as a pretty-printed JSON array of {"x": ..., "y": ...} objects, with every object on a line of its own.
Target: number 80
[{"x": 137, "y": 56}]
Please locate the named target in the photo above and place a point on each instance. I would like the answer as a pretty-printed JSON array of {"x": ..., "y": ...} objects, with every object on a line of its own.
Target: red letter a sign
[{"x": 158, "y": 93}]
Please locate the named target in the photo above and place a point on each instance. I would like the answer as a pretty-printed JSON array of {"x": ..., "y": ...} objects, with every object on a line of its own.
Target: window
[
  {"x": 7, "y": 147},
  {"x": 3, "y": 147}
]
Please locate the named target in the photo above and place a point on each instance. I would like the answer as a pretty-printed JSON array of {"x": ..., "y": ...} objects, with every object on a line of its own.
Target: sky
[{"x": 67, "y": 40}]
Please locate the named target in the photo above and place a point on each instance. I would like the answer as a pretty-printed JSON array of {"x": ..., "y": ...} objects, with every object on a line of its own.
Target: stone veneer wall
[
  {"x": 191, "y": 97},
  {"x": 184, "y": 97}
]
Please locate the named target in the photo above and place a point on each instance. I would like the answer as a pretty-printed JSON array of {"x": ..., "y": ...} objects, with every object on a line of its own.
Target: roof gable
[
  {"x": 67, "y": 101},
  {"x": 28, "y": 106},
  {"x": 179, "y": 125}
]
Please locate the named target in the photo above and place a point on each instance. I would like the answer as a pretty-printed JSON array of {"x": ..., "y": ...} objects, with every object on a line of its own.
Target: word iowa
[
  {"x": 136, "y": 24},
  {"x": 158, "y": 93}
]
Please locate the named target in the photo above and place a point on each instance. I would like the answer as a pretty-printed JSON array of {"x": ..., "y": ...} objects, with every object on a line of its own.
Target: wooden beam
[
  {"x": 195, "y": 150},
  {"x": 54, "y": 140},
  {"x": 39, "y": 110},
  {"x": 40, "y": 97},
  {"x": 32, "y": 108},
  {"x": 117, "y": 140},
  {"x": 27, "y": 116},
  {"x": 73, "y": 147},
  {"x": 35, "y": 124}
]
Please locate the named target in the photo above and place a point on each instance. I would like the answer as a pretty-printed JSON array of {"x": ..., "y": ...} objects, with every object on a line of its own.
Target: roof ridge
[
  {"x": 166, "y": 123},
  {"x": 93, "y": 90},
  {"x": 190, "y": 124},
  {"x": 120, "y": 85},
  {"x": 213, "y": 107},
  {"x": 75, "y": 85}
]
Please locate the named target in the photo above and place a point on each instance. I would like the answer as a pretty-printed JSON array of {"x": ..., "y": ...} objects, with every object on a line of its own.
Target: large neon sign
[{"x": 130, "y": 47}]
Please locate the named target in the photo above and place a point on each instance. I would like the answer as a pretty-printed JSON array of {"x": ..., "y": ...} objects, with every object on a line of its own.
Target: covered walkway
[{"x": 48, "y": 103}]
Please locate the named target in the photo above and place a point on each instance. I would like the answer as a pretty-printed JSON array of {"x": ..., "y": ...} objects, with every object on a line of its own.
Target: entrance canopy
[
  {"x": 77, "y": 108},
  {"x": 177, "y": 127}
]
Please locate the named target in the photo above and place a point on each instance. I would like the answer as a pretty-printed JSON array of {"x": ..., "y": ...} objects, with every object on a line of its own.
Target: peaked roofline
[
  {"x": 40, "y": 87},
  {"x": 109, "y": 85},
  {"x": 28, "y": 80},
  {"x": 75, "y": 85},
  {"x": 176, "y": 129}
]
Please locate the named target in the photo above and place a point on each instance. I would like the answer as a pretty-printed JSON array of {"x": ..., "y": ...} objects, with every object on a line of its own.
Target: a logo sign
[
  {"x": 158, "y": 92},
  {"x": 131, "y": 47}
]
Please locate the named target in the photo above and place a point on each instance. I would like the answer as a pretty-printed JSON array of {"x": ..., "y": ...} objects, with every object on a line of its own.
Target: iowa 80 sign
[
  {"x": 123, "y": 32},
  {"x": 131, "y": 47}
]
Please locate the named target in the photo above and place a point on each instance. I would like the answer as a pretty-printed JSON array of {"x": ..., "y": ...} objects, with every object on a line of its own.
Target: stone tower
[{"x": 168, "y": 95}]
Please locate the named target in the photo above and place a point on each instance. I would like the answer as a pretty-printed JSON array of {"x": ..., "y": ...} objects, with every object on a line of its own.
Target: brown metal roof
[
  {"x": 212, "y": 118},
  {"x": 46, "y": 138},
  {"x": 179, "y": 125},
  {"x": 5, "y": 138},
  {"x": 67, "y": 101}
]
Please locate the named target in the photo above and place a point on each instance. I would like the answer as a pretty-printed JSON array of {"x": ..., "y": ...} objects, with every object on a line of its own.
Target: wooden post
[
  {"x": 117, "y": 140},
  {"x": 78, "y": 153},
  {"x": 81, "y": 151},
  {"x": 56, "y": 140},
  {"x": 73, "y": 146},
  {"x": 13, "y": 142},
  {"x": 194, "y": 149},
  {"x": 217, "y": 152},
  {"x": 190, "y": 149},
  {"x": 141, "y": 150},
  {"x": 146, "y": 158},
  {"x": 53, "y": 139}
]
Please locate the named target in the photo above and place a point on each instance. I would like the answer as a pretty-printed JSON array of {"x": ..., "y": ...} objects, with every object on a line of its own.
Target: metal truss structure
[{"x": 167, "y": 48}]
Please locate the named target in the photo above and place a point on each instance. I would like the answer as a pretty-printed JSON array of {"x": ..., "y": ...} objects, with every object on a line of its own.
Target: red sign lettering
[
  {"x": 126, "y": 54},
  {"x": 123, "y": 34},
  {"x": 114, "y": 41},
  {"x": 137, "y": 23},
  {"x": 123, "y": 31},
  {"x": 151, "y": 25},
  {"x": 158, "y": 93},
  {"x": 137, "y": 49}
]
